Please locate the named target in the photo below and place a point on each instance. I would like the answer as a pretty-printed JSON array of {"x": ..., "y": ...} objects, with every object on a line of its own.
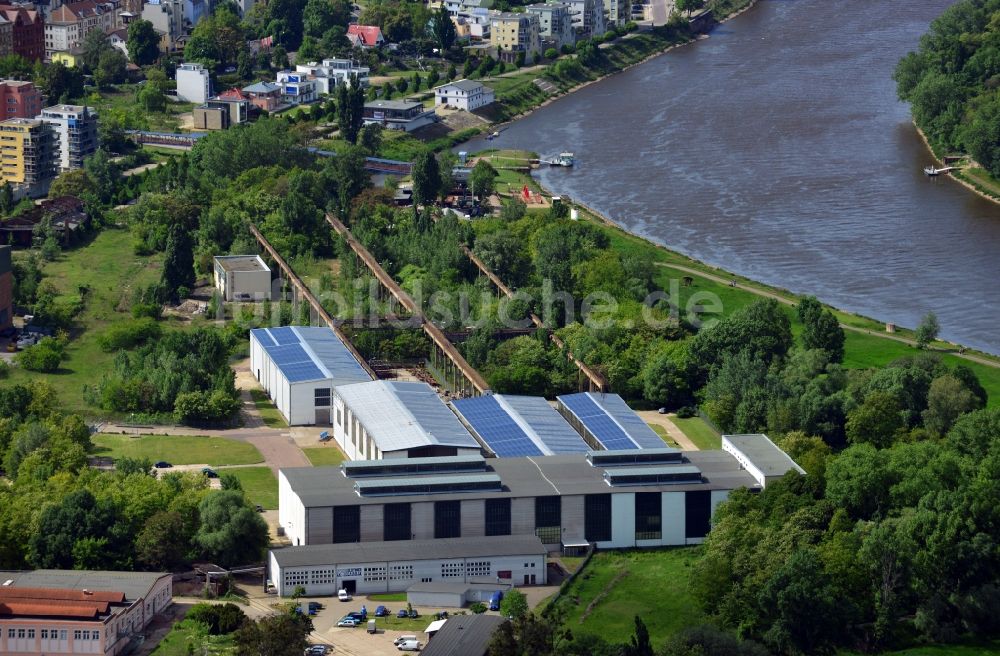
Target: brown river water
[{"x": 777, "y": 149}]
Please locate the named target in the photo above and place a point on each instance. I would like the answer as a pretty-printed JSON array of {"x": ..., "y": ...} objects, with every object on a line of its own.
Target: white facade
[
  {"x": 588, "y": 17},
  {"x": 464, "y": 94},
  {"x": 760, "y": 457},
  {"x": 333, "y": 72},
  {"x": 242, "y": 278},
  {"x": 167, "y": 17},
  {"x": 76, "y": 127},
  {"x": 193, "y": 83},
  {"x": 555, "y": 23},
  {"x": 291, "y": 512},
  {"x": 296, "y": 88}
]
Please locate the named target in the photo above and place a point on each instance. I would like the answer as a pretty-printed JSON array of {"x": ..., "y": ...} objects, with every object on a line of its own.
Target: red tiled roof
[
  {"x": 73, "y": 11},
  {"x": 233, "y": 94},
  {"x": 29, "y": 607},
  {"x": 61, "y": 594},
  {"x": 369, "y": 34}
]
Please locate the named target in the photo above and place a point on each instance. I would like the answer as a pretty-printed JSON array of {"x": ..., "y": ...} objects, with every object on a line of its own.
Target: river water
[{"x": 777, "y": 149}]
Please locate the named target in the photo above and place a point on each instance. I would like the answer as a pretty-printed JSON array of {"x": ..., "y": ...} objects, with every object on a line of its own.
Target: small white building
[
  {"x": 298, "y": 366},
  {"x": 397, "y": 419},
  {"x": 463, "y": 94},
  {"x": 334, "y": 72},
  {"x": 242, "y": 278},
  {"x": 193, "y": 83},
  {"x": 382, "y": 567},
  {"x": 760, "y": 457},
  {"x": 296, "y": 88},
  {"x": 403, "y": 115}
]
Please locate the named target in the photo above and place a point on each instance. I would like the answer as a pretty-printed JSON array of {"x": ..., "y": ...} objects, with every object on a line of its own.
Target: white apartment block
[
  {"x": 76, "y": 128},
  {"x": 193, "y": 83},
  {"x": 463, "y": 94}
]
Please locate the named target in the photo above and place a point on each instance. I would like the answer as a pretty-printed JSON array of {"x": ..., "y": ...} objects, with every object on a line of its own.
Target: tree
[
  {"x": 877, "y": 421},
  {"x": 640, "y": 644},
  {"x": 514, "y": 605},
  {"x": 444, "y": 29},
  {"x": 279, "y": 58},
  {"x": 164, "y": 541},
  {"x": 821, "y": 330},
  {"x": 143, "y": 43},
  {"x": 760, "y": 328},
  {"x": 947, "y": 400},
  {"x": 244, "y": 64},
  {"x": 688, "y": 6},
  {"x": 231, "y": 533},
  {"x": 928, "y": 329},
  {"x": 274, "y": 635},
  {"x": 371, "y": 138},
  {"x": 6, "y": 198},
  {"x": 95, "y": 44},
  {"x": 110, "y": 68},
  {"x": 426, "y": 179},
  {"x": 483, "y": 179},
  {"x": 319, "y": 16},
  {"x": 79, "y": 532},
  {"x": 350, "y": 109},
  {"x": 221, "y": 619},
  {"x": 178, "y": 261},
  {"x": 151, "y": 98}
]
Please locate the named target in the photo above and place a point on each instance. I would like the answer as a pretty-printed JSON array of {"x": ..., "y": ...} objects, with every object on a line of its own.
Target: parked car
[
  {"x": 371, "y": 627},
  {"x": 347, "y": 621},
  {"x": 402, "y": 613},
  {"x": 162, "y": 464},
  {"x": 381, "y": 611},
  {"x": 413, "y": 614},
  {"x": 404, "y": 638},
  {"x": 315, "y": 605},
  {"x": 343, "y": 595},
  {"x": 495, "y": 600},
  {"x": 409, "y": 645},
  {"x": 317, "y": 650},
  {"x": 208, "y": 471}
]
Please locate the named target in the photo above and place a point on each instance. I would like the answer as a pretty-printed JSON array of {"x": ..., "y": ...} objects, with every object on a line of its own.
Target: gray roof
[
  {"x": 464, "y": 85},
  {"x": 401, "y": 415},
  {"x": 262, "y": 87},
  {"x": 607, "y": 415},
  {"x": 310, "y": 353},
  {"x": 763, "y": 453},
  {"x": 408, "y": 550},
  {"x": 537, "y": 420},
  {"x": 441, "y": 586},
  {"x": 401, "y": 105},
  {"x": 241, "y": 263},
  {"x": 132, "y": 584},
  {"x": 464, "y": 635},
  {"x": 567, "y": 474}
]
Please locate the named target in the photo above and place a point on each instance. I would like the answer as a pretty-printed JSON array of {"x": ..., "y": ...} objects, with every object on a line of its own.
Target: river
[{"x": 777, "y": 149}]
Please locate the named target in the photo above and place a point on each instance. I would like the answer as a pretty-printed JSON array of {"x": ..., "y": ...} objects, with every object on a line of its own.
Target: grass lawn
[
  {"x": 389, "y": 596},
  {"x": 616, "y": 586},
  {"x": 259, "y": 483},
  {"x": 272, "y": 418},
  {"x": 321, "y": 456},
  {"x": 107, "y": 267},
  {"x": 178, "y": 449},
  {"x": 662, "y": 432},
  {"x": 186, "y": 635},
  {"x": 699, "y": 432}
]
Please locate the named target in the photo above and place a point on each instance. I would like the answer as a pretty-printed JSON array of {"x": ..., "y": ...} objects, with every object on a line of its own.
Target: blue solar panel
[
  {"x": 287, "y": 354},
  {"x": 301, "y": 371},
  {"x": 496, "y": 427},
  {"x": 597, "y": 422},
  {"x": 263, "y": 336},
  {"x": 284, "y": 335}
]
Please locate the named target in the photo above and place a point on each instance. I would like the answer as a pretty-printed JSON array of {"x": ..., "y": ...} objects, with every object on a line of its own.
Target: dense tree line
[
  {"x": 58, "y": 513},
  {"x": 951, "y": 81}
]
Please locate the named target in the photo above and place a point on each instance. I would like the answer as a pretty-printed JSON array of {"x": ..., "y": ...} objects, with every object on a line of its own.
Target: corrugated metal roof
[
  {"x": 356, "y": 553},
  {"x": 400, "y": 415},
  {"x": 513, "y": 425},
  {"x": 611, "y": 421},
  {"x": 544, "y": 424},
  {"x": 309, "y": 353},
  {"x": 132, "y": 584},
  {"x": 464, "y": 635}
]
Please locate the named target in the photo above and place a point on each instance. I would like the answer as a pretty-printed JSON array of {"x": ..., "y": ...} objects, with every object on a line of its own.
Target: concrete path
[
  {"x": 675, "y": 433},
  {"x": 781, "y": 298}
]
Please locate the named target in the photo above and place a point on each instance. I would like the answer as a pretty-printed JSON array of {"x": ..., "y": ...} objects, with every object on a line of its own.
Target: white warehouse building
[
  {"x": 298, "y": 367},
  {"x": 760, "y": 457},
  {"x": 397, "y": 419},
  {"x": 381, "y": 567}
]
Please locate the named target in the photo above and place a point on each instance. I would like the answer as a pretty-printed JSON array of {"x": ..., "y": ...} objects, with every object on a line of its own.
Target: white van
[
  {"x": 409, "y": 645},
  {"x": 404, "y": 638},
  {"x": 343, "y": 595}
]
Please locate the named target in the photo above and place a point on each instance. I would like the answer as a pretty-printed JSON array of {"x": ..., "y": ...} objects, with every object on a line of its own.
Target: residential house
[
  {"x": 463, "y": 94},
  {"x": 66, "y": 215},
  {"x": 167, "y": 17},
  {"x": 333, "y": 72},
  {"x": 79, "y": 612},
  {"x": 6, "y": 37},
  {"x": 588, "y": 17},
  {"x": 473, "y": 25},
  {"x": 555, "y": 23},
  {"x": 398, "y": 114},
  {"x": 512, "y": 33},
  {"x": 119, "y": 39},
  {"x": 6, "y": 289},
  {"x": 461, "y": 7},
  {"x": 194, "y": 83},
  {"x": 19, "y": 99},
  {"x": 29, "y": 154},
  {"x": 27, "y": 31},
  {"x": 70, "y": 23},
  {"x": 223, "y": 111},
  {"x": 76, "y": 127},
  {"x": 68, "y": 58},
  {"x": 265, "y": 95},
  {"x": 365, "y": 36},
  {"x": 296, "y": 88}
]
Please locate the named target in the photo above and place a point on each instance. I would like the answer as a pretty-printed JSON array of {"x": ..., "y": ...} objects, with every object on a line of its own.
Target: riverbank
[{"x": 959, "y": 176}]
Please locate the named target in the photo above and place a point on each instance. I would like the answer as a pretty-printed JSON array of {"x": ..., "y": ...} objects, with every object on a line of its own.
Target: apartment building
[
  {"x": 618, "y": 12},
  {"x": 19, "y": 99},
  {"x": 70, "y": 23},
  {"x": 296, "y": 88},
  {"x": 513, "y": 33},
  {"x": 588, "y": 17},
  {"x": 194, "y": 83},
  {"x": 555, "y": 23},
  {"x": 167, "y": 17},
  {"x": 333, "y": 72},
  {"x": 29, "y": 152},
  {"x": 27, "y": 31},
  {"x": 6, "y": 37},
  {"x": 76, "y": 129}
]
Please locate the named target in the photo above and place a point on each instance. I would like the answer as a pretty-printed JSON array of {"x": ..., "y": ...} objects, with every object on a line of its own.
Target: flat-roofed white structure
[
  {"x": 298, "y": 367},
  {"x": 760, "y": 457},
  {"x": 397, "y": 419},
  {"x": 242, "y": 278}
]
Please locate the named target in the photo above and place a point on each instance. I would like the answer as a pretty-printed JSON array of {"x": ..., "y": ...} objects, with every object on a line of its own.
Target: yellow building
[
  {"x": 513, "y": 33},
  {"x": 27, "y": 150},
  {"x": 67, "y": 59}
]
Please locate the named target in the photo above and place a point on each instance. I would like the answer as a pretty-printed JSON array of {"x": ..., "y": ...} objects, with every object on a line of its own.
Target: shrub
[
  {"x": 686, "y": 412},
  {"x": 43, "y": 356},
  {"x": 478, "y": 608},
  {"x": 220, "y": 619},
  {"x": 551, "y": 53},
  {"x": 128, "y": 334},
  {"x": 205, "y": 406}
]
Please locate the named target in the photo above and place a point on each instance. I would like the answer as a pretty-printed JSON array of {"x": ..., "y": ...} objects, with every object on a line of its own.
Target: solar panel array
[
  {"x": 598, "y": 422},
  {"x": 547, "y": 426},
  {"x": 637, "y": 429},
  {"x": 310, "y": 353},
  {"x": 497, "y": 428}
]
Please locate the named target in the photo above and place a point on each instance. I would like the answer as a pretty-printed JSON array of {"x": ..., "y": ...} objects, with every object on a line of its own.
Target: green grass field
[
  {"x": 321, "y": 456},
  {"x": 189, "y": 638},
  {"x": 662, "y": 432},
  {"x": 108, "y": 269},
  {"x": 699, "y": 432},
  {"x": 390, "y": 596},
  {"x": 616, "y": 586},
  {"x": 259, "y": 483},
  {"x": 268, "y": 412},
  {"x": 178, "y": 449}
]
